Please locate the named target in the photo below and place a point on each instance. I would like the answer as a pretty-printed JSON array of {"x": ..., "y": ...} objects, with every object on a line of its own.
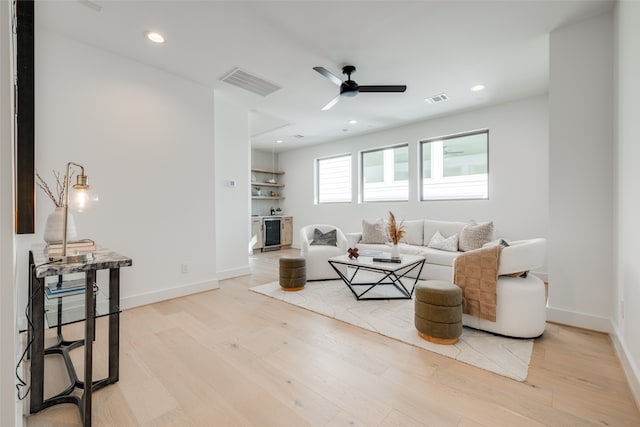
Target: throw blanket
[{"x": 476, "y": 272}]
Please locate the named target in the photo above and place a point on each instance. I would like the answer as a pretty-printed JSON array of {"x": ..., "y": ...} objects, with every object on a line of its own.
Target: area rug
[{"x": 394, "y": 319}]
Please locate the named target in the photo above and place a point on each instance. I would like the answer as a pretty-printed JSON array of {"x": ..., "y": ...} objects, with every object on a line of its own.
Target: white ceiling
[{"x": 433, "y": 47}]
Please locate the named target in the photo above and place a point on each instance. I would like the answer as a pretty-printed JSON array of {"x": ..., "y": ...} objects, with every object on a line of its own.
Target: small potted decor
[
  {"x": 396, "y": 233},
  {"x": 258, "y": 189},
  {"x": 278, "y": 211},
  {"x": 53, "y": 229}
]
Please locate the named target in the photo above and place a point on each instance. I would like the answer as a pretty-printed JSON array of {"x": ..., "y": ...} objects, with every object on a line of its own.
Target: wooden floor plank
[{"x": 231, "y": 357}]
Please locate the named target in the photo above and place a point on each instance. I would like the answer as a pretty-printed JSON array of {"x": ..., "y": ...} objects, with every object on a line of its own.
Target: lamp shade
[{"x": 82, "y": 199}]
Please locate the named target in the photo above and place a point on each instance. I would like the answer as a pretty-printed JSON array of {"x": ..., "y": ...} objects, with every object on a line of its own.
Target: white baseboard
[
  {"x": 580, "y": 320},
  {"x": 165, "y": 294},
  {"x": 631, "y": 370},
  {"x": 234, "y": 272}
]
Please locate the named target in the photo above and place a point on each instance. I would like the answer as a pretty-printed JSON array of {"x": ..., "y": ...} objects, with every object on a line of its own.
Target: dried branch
[
  {"x": 61, "y": 185},
  {"x": 396, "y": 232}
]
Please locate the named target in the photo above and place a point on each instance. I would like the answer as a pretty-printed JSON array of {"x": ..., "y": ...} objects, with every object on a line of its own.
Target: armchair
[{"x": 317, "y": 255}]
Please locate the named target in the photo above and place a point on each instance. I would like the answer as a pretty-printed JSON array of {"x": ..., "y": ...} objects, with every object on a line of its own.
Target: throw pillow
[
  {"x": 329, "y": 238},
  {"x": 474, "y": 235},
  {"x": 374, "y": 232},
  {"x": 438, "y": 241}
]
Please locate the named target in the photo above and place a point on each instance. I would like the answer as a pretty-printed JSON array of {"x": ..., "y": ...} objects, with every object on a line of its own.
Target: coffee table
[{"x": 366, "y": 278}]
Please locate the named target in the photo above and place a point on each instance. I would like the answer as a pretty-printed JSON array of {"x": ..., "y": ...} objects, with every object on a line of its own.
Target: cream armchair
[{"x": 316, "y": 256}]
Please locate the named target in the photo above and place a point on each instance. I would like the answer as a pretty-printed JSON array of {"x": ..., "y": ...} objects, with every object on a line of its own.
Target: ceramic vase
[
  {"x": 54, "y": 227},
  {"x": 395, "y": 251}
]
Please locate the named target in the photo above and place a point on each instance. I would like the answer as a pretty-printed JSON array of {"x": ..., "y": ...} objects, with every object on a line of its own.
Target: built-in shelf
[
  {"x": 267, "y": 197},
  {"x": 267, "y": 184},
  {"x": 274, "y": 172}
]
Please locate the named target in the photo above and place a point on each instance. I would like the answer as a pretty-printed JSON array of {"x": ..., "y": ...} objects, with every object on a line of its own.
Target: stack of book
[
  {"x": 73, "y": 247},
  {"x": 66, "y": 288}
]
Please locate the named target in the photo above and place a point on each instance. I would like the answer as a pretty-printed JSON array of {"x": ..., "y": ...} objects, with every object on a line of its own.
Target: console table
[{"x": 87, "y": 306}]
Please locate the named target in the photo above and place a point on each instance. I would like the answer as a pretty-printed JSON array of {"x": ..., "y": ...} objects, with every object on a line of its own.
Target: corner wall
[
  {"x": 10, "y": 407},
  {"x": 581, "y": 174},
  {"x": 626, "y": 306},
  {"x": 145, "y": 138}
]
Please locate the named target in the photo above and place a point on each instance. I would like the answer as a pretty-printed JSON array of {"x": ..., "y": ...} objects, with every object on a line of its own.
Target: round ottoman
[
  {"x": 293, "y": 273},
  {"x": 438, "y": 311}
]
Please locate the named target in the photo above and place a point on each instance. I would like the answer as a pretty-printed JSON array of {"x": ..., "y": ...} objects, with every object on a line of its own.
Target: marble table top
[{"x": 102, "y": 259}]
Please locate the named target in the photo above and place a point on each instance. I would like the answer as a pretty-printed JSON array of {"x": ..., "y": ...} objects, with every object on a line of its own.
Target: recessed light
[
  {"x": 477, "y": 88},
  {"x": 353, "y": 122},
  {"x": 154, "y": 36},
  {"x": 279, "y": 141}
]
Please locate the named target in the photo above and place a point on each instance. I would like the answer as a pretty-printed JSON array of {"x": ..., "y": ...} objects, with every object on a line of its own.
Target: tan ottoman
[
  {"x": 293, "y": 273},
  {"x": 438, "y": 311}
]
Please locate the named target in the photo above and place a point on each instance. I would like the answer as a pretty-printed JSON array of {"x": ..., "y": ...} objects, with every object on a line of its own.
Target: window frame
[
  {"x": 361, "y": 172},
  {"x": 316, "y": 163},
  {"x": 422, "y": 143}
]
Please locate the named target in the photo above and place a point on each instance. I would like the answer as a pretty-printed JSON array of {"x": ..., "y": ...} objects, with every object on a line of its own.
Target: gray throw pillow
[{"x": 330, "y": 238}]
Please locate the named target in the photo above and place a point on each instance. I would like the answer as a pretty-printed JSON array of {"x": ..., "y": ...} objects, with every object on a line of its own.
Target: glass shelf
[{"x": 67, "y": 309}]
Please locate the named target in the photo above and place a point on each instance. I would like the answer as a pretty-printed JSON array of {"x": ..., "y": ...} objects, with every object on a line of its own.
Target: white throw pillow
[
  {"x": 374, "y": 232},
  {"x": 474, "y": 235},
  {"x": 438, "y": 241}
]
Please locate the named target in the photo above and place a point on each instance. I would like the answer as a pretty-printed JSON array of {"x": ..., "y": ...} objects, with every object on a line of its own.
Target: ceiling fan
[{"x": 350, "y": 88}]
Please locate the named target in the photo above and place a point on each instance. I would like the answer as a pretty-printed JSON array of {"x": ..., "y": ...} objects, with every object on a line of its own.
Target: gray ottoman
[
  {"x": 293, "y": 273},
  {"x": 438, "y": 311}
]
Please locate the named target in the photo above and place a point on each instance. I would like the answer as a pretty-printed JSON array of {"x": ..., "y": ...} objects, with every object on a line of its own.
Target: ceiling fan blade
[
  {"x": 331, "y": 103},
  {"x": 328, "y": 75},
  {"x": 382, "y": 88}
]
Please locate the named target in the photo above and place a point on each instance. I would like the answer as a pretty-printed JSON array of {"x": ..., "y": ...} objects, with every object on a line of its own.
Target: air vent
[
  {"x": 437, "y": 98},
  {"x": 298, "y": 136},
  {"x": 246, "y": 81}
]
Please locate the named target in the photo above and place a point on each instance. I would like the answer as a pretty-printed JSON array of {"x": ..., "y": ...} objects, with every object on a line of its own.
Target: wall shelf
[
  {"x": 269, "y": 171},
  {"x": 266, "y": 184},
  {"x": 267, "y": 197}
]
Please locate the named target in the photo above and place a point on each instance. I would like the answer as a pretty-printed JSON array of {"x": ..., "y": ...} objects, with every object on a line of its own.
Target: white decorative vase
[
  {"x": 395, "y": 251},
  {"x": 54, "y": 227}
]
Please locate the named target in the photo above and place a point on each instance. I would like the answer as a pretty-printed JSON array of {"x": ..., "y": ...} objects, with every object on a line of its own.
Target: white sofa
[
  {"x": 521, "y": 301},
  {"x": 316, "y": 256}
]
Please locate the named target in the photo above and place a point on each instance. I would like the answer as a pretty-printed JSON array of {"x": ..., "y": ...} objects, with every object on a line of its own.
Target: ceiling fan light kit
[{"x": 350, "y": 88}]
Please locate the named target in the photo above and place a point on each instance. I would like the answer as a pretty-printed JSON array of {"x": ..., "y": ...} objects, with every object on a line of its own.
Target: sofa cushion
[
  {"x": 414, "y": 232},
  {"x": 374, "y": 231},
  {"x": 439, "y": 257},
  {"x": 438, "y": 241},
  {"x": 474, "y": 235},
  {"x": 446, "y": 228}
]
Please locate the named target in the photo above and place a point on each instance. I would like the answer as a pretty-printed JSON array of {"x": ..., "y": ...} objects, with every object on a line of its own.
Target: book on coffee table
[{"x": 396, "y": 260}]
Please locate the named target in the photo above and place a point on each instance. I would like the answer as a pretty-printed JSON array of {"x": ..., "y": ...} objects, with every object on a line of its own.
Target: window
[
  {"x": 333, "y": 179},
  {"x": 456, "y": 167},
  {"x": 385, "y": 174}
]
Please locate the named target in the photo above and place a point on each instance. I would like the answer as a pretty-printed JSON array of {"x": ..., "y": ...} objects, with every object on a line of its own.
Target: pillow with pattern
[
  {"x": 330, "y": 238},
  {"x": 438, "y": 241},
  {"x": 474, "y": 235},
  {"x": 374, "y": 232}
]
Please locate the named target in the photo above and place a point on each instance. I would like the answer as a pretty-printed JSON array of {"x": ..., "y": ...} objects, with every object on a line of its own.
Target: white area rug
[{"x": 394, "y": 319}]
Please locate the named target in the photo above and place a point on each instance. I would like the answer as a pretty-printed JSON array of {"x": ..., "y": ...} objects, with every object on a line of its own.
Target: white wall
[
  {"x": 8, "y": 335},
  {"x": 232, "y": 203},
  {"x": 146, "y": 139},
  {"x": 518, "y": 158},
  {"x": 581, "y": 174},
  {"x": 627, "y": 209}
]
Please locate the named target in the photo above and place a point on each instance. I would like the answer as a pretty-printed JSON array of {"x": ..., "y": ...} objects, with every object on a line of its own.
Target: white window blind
[
  {"x": 385, "y": 174},
  {"x": 333, "y": 180},
  {"x": 456, "y": 167}
]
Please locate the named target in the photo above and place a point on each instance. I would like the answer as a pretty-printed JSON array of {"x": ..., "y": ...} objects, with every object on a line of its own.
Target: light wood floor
[{"x": 231, "y": 357}]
